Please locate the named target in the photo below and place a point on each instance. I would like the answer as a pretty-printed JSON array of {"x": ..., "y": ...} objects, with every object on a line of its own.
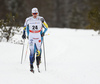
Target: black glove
[
  {"x": 24, "y": 36},
  {"x": 42, "y": 34},
  {"x": 42, "y": 19}
]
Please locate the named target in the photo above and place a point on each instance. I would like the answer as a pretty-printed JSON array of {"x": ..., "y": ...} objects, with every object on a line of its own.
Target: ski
[{"x": 32, "y": 71}]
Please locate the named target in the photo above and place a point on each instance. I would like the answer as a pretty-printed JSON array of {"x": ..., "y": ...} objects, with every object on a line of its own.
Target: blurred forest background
[{"x": 57, "y": 13}]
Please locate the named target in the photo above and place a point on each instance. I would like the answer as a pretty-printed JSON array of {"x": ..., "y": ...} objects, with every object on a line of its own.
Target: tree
[
  {"x": 8, "y": 26},
  {"x": 94, "y": 19},
  {"x": 94, "y": 15}
]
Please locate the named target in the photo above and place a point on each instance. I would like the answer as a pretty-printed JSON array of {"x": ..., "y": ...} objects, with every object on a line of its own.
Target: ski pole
[
  {"x": 44, "y": 54},
  {"x": 22, "y": 52},
  {"x": 26, "y": 51}
]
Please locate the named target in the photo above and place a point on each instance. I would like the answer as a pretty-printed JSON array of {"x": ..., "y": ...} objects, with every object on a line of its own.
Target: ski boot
[
  {"x": 31, "y": 68},
  {"x": 38, "y": 68}
]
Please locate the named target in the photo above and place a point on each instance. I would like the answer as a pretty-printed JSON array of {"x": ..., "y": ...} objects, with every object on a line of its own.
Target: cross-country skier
[{"x": 33, "y": 25}]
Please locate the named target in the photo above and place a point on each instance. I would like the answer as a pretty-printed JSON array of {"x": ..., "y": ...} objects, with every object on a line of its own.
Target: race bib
[{"x": 35, "y": 26}]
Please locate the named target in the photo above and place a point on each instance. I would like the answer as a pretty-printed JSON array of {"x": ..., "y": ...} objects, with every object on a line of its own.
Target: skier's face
[{"x": 34, "y": 15}]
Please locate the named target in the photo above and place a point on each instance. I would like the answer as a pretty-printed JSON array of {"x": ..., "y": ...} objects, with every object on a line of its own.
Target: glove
[
  {"x": 42, "y": 34},
  {"x": 24, "y": 36},
  {"x": 42, "y": 19}
]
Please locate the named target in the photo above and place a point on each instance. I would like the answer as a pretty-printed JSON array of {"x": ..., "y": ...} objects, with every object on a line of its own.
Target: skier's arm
[
  {"x": 45, "y": 29},
  {"x": 24, "y": 30},
  {"x": 44, "y": 22},
  {"x": 27, "y": 29},
  {"x": 24, "y": 35},
  {"x": 44, "y": 25}
]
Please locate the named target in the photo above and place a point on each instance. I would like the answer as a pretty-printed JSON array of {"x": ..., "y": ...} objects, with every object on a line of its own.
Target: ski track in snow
[{"x": 72, "y": 57}]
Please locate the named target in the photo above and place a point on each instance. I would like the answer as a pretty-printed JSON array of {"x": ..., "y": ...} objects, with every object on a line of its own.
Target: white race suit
[{"x": 34, "y": 27}]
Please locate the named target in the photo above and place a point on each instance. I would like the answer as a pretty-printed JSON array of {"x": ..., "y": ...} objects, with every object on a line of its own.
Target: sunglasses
[{"x": 34, "y": 13}]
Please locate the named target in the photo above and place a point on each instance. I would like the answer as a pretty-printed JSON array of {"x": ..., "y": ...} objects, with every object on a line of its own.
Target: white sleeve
[{"x": 25, "y": 24}]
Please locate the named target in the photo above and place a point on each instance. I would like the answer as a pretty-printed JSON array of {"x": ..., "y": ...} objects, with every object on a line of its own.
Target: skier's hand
[
  {"x": 42, "y": 19},
  {"x": 24, "y": 36},
  {"x": 42, "y": 34}
]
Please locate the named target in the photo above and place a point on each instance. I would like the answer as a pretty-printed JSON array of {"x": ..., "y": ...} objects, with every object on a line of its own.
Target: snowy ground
[{"x": 72, "y": 56}]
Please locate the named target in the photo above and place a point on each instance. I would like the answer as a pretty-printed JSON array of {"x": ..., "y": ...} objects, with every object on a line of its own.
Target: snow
[{"x": 72, "y": 57}]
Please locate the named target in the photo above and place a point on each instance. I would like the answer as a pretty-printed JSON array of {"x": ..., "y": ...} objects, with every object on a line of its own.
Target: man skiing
[{"x": 33, "y": 25}]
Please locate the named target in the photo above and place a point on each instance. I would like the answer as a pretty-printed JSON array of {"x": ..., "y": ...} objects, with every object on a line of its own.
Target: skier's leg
[
  {"x": 32, "y": 53},
  {"x": 41, "y": 48},
  {"x": 38, "y": 56}
]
